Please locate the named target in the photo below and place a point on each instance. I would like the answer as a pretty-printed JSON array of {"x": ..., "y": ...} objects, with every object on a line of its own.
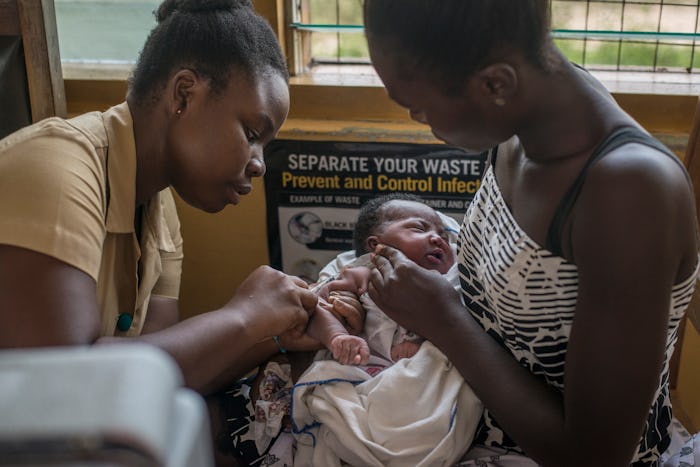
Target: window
[
  {"x": 326, "y": 32},
  {"x": 103, "y": 31},
  {"x": 643, "y": 35},
  {"x": 338, "y": 33}
]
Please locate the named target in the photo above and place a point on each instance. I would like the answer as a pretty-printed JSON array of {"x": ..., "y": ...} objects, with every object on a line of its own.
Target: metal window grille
[
  {"x": 644, "y": 35},
  {"x": 639, "y": 35}
]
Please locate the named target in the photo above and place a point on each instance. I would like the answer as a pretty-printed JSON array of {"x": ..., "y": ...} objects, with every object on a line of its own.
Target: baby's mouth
[{"x": 438, "y": 255}]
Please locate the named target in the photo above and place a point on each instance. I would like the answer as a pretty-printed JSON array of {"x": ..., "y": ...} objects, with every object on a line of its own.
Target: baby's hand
[
  {"x": 350, "y": 350},
  {"x": 405, "y": 349}
]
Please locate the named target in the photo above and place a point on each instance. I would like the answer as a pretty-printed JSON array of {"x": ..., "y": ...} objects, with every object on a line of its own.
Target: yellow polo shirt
[{"x": 68, "y": 190}]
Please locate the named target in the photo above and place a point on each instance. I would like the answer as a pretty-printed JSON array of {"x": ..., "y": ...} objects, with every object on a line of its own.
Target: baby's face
[{"x": 418, "y": 232}]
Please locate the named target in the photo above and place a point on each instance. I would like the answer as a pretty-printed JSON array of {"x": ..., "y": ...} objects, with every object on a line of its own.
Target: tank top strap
[
  {"x": 491, "y": 158},
  {"x": 619, "y": 137}
]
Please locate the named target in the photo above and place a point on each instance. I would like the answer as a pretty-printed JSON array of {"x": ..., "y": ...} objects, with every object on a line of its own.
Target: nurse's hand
[
  {"x": 418, "y": 299},
  {"x": 295, "y": 341},
  {"x": 272, "y": 303}
]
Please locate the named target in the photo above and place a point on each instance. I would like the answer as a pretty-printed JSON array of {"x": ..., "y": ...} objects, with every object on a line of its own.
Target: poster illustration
[{"x": 314, "y": 190}]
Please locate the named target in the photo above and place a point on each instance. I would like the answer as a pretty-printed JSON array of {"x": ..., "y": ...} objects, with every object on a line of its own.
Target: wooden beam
[
  {"x": 42, "y": 58},
  {"x": 273, "y": 12},
  {"x": 692, "y": 164}
]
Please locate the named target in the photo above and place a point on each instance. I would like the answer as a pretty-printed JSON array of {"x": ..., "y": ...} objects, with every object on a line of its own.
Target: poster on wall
[{"x": 314, "y": 190}]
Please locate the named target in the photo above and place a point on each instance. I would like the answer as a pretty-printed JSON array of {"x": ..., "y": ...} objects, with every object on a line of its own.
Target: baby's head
[{"x": 405, "y": 222}]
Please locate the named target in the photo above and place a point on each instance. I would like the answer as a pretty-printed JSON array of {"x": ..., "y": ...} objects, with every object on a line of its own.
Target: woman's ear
[
  {"x": 372, "y": 242},
  {"x": 184, "y": 85},
  {"x": 498, "y": 83}
]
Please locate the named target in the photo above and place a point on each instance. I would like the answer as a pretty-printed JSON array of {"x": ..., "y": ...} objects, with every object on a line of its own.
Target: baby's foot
[{"x": 350, "y": 350}]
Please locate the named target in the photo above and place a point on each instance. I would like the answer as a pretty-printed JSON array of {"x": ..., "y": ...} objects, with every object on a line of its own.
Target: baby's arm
[
  {"x": 346, "y": 348},
  {"x": 324, "y": 326},
  {"x": 354, "y": 279}
]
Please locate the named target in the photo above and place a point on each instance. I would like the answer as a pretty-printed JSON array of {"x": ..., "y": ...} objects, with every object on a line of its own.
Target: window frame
[
  {"x": 337, "y": 104},
  {"x": 298, "y": 30}
]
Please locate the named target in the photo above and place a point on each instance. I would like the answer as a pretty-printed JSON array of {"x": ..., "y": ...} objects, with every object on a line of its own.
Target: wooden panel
[
  {"x": 42, "y": 58},
  {"x": 692, "y": 163},
  {"x": 344, "y": 103},
  {"x": 355, "y": 130},
  {"x": 222, "y": 249},
  {"x": 660, "y": 113},
  {"x": 88, "y": 95},
  {"x": 9, "y": 20}
]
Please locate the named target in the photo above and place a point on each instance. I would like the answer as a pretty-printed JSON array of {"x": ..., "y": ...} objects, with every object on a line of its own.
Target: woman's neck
[
  {"x": 566, "y": 113},
  {"x": 149, "y": 136}
]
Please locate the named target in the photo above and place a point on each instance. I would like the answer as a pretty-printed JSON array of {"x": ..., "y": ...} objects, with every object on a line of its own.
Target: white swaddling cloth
[{"x": 418, "y": 412}]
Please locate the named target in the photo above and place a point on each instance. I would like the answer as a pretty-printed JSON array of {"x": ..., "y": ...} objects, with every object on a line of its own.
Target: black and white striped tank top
[{"x": 524, "y": 296}]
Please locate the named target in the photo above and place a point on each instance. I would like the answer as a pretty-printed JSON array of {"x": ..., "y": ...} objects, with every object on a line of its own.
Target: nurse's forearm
[{"x": 211, "y": 348}]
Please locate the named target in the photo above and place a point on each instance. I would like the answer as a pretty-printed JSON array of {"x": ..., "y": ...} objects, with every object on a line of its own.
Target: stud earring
[
  {"x": 499, "y": 101},
  {"x": 179, "y": 112}
]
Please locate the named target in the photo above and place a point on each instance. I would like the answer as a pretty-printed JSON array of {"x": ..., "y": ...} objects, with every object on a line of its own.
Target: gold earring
[{"x": 499, "y": 101}]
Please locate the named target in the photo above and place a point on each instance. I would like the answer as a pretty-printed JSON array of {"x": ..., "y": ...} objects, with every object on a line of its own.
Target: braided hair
[{"x": 214, "y": 38}]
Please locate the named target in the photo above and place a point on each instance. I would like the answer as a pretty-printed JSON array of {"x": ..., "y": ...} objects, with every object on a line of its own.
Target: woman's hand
[
  {"x": 295, "y": 341},
  {"x": 348, "y": 309},
  {"x": 273, "y": 303},
  {"x": 416, "y": 298}
]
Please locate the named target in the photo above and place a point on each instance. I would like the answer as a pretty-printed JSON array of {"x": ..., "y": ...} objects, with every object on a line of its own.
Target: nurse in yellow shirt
[{"x": 90, "y": 245}]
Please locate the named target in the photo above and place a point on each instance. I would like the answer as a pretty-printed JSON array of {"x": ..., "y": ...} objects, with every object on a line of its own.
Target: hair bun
[{"x": 168, "y": 7}]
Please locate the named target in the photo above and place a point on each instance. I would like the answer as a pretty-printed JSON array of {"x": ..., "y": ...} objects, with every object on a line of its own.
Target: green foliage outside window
[{"x": 650, "y": 16}]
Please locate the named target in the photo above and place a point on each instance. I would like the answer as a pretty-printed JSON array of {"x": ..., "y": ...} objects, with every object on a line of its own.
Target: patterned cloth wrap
[{"x": 272, "y": 405}]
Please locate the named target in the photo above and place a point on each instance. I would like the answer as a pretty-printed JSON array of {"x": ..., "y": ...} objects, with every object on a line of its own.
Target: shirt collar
[
  {"x": 121, "y": 169},
  {"x": 155, "y": 221}
]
